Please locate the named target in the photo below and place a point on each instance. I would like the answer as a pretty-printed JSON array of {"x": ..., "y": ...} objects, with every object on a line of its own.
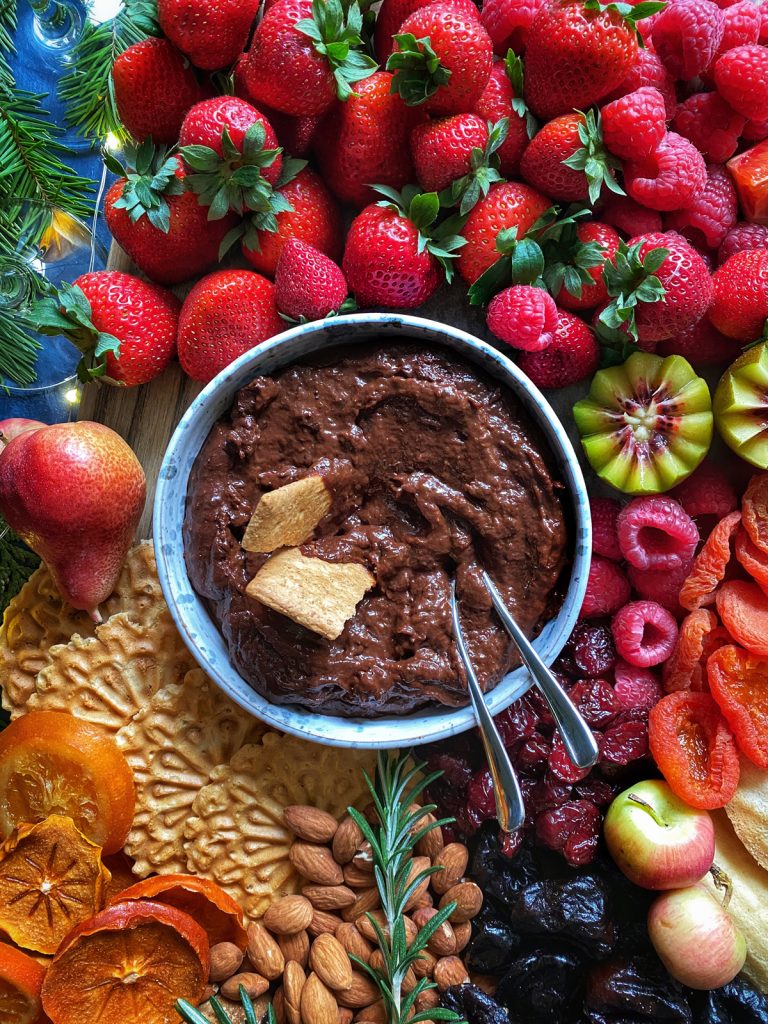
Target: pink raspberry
[
  {"x": 743, "y": 236},
  {"x": 605, "y": 541},
  {"x": 763, "y": 37},
  {"x": 713, "y": 212},
  {"x": 508, "y": 22},
  {"x": 648, "y": 70},
  {"x": 523, "y": 316},
  {"x": 660, "y": 585},
  {"x": 707, "y": 492},
  {"x": 656, "y": 533},
  {"x": 634, "y": 125},
  {"x": 701, "y": 344},
  {"x": 686, "y": 35},
  {"x": 637, "y": 687},
  {"x": 573, "y": 356},
  {"x": 741, "y": 77},
  {"x": 670, "y": 178},
  {"x": 628, "y": 216},
  {"x": 706, "y": 120},
  {"x": 607, "y": 589},
  {"x": 755, "y": 131},
  {"x": 644, "y": 633},
  {"x": 741, "y": 25}
]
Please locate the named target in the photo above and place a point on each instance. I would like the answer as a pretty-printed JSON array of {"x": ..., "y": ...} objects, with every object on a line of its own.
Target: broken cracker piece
[
  {"x": 319, "y": 595},
  {"x": 286, "y": 517}
]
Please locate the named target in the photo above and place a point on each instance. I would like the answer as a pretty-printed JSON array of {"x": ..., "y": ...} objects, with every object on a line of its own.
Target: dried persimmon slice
[
  {"x": 752, "y": 558},
  {"x": 709, "y": 565},
  {"x": 743, "y": 607},
  {"x": 21, "y": 979},
  {"x": 685, "y": 668},
  {"x": 129, "y": 963},
  {"x": 754, "y": 508},
  {"x": 738, "y": 681}
]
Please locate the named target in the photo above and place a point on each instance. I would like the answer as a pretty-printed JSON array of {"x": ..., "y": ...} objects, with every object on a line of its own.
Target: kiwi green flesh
[{"x": 741, "y": 406}]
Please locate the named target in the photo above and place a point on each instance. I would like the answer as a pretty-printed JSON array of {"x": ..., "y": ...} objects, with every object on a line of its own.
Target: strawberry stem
[{"x": 418, "y": 73}]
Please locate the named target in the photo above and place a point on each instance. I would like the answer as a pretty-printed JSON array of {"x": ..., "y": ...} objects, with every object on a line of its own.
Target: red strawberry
[
  {"x": 508, "y": 205},
  {"x": 305, "y": 53},
  {"x": 503, "y": 97},
  {"x": 393, "y": 13},
  {"x": 154, "y": 87},
  {"x": 206, "y": 123},
  {"x": 365, "y": 141},
  {"x": 701, "y": 344},
  {"x": 225, "y": 315},
  {"x": 442, "y": 59},
  {"x": 308, "y": 286},
  {"x": 161, "y": 226},
  {"x": 125, "y": 327},
  {"x": 314, "y": 218},
  {"x": 572, "y": 356},
  {"x": 508, "y": 22},
  {"x": 212, "y": 35},
  {"x": 575, "y": 262},
  {"x": 578, "y": 51},
  {"x": 634, "y": 125},
  {"x": 740, "y": 306}
]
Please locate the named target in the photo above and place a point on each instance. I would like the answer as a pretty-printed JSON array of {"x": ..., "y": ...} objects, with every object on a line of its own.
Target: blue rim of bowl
[{"x": 388, "y": 731}]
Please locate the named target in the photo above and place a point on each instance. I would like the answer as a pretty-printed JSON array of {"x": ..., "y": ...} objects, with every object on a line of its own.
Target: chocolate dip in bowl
[{"x": 441, "y": 459}]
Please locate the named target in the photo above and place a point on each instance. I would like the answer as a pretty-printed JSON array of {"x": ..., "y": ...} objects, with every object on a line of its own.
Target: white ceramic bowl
[{"x": 201, "y": 633}]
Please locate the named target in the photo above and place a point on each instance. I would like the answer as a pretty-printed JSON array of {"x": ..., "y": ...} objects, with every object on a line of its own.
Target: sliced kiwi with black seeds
[
  {"x": 741, "y": 406},
  {"x": 647, "y": 424}
]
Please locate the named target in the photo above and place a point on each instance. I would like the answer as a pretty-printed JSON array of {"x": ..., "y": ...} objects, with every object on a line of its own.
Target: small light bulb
[
  {"x": 111, "y": 143},
  {"x": 71, "y": 396}
]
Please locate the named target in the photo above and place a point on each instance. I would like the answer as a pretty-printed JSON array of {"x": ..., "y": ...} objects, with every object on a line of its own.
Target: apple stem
[
  {"x": 723, "y": 883},
  {"x": 647, "y": 807},
  {"x": 3, "y": 439}
]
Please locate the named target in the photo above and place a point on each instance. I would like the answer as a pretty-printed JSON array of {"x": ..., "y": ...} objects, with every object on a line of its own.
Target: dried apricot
[
  {"x": 739, "y": 683},
  {"x": 754, "y": 508},
  {"x": 709, "y": 565},
  {"x": 131, "y": 963},
  {"x": 743, "y": 607},
  {"x": 51, "y": 878},
  {"x": 694, "y": 748},
  {"x": 753, "y": 558},
  {"x": 21, "y": 979},
  {"x": 685, "y": 668}
]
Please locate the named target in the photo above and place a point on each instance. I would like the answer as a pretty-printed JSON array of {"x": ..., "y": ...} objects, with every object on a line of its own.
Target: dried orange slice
[
  {"x": 754, "y": 507},
  {"x": 130, "y": 963},
  {"x": 743, "y": 607},
  {"x": 709, "y": 565},
  {"x": 21, "y": 979},
  {"x": 51, "y": 878},
  {"x": 212, "y": 908},
  {"x": 53, "y": 763},
  {"x": 120, "y": 866}
]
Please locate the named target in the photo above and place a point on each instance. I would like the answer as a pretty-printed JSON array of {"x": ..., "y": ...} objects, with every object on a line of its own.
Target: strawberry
[
  {"x": 154, "y": 87},
  {"x": 442, "y": 59},
  {"x": 740, "y": 306},
  {"x": 390, "y": 258},
  {"x": 125, "y": 327},
  {"x": 225, "y": 315},
  {"x": 223, "y": 119},
  {"x": 574, "y": 260},
  {"x": 305, "y": 53},
  {"x": 161, "y": 226},
  {"x": 578, "y": 51},
  {"x": 508, "y": 205},
  {"x": 458, "y": 154},
  {"x": 314, "y": 217},
  {"x": 392, "y": 14},
  {"x": 503, "y": 98},
  {"x": 572, "y": 356},
  {"x": 212, "y": 35},
  {"x": 308, "y": 286},
  {"x": 365, "y": 140}
]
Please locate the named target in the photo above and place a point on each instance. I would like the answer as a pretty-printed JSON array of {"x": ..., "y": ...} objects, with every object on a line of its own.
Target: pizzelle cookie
[
  {"x": 748, "y": 810},
  {"x": 237, "y": 836},
  {"x": 174, "y": 745}
]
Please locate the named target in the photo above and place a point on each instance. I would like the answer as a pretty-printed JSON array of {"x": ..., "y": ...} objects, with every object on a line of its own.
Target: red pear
[
  {"x": 74, "y": 492},
  {"x": 16, "y": 425}
]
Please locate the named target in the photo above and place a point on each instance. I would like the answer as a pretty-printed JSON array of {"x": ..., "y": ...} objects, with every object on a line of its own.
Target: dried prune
[
  {"x": 474, "y": 1005},
  {"x": 638, "y": 986},
  {"x": 735, "y": 1003},
  {"x": 493, "y": 943},
  {"x": 497, "y": 875},
  {"x": 576, "y": 909},
  {"x": 541, "y": 984}
]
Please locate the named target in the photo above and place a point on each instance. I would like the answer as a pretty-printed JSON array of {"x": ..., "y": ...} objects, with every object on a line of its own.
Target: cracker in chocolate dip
[{"x": 434, "y": 471}]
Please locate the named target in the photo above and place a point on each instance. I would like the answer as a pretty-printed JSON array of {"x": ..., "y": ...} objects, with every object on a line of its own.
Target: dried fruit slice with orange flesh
[
  {"x": 739, "y": 683},
  {"x": 53, "y": 763},
  {"x": 120, "y": 866},
  {"x": 752, "y": 558},
  {"x": 51, "y": 879},
  {"x": 212, "y": 908},
  {"x": 743, "y": 607},
  {"x": 130, "y": 963},
  {"x": 21, "y": 979},
  {"x": 754, "y": 509},
  {"x": 685, "y": 669},
  {"x": 709, "y": 565}
]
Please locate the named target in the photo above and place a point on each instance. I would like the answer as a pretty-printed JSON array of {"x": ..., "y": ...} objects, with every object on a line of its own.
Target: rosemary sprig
[
  {"x": 398, "y": 785},
  {"x": 192, "y": 1015}
]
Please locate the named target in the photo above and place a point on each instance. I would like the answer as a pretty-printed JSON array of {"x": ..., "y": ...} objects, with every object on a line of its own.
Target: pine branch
[
  {"x": 7, "y": 28},
  {"x": 21, "y": 286}
]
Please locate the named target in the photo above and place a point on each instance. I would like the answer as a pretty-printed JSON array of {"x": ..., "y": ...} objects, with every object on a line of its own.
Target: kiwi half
[
  {"x": 645, "y": 425},
  {"x": 741, "y": 406}
]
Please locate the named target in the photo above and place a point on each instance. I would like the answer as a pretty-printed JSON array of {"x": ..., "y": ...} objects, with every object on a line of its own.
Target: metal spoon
[
  {"x": 510, "y": 809},
  {"x": 576, "y": 734}
]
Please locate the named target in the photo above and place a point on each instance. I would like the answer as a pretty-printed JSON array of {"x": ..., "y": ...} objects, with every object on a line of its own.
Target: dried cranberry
[
  {"x": 573, "y": 829},
  {"x": 593, "y": 651},
  {"x": 481, "y": 803},
  {"x": 597, "y": 791},
  {"x": 624, "y": 742},
  {"x": 456, "y": 770},
  {"x": 510, "y": 842},
  {"x": 596, "y": 700},
  {"x": 547, "y": 793},
  {"x": 517, "y": 723},
  {"x": 539, "y": 706},
  {"x": 532, "y": 756},
  {"x": 562, "y": 766}
]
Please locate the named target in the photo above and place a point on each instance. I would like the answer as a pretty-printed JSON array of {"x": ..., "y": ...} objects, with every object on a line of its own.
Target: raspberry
[
  {"x": 660, "y": 585},
  {"x": 637, "y": 687},
  {"x": 523, "y": 316},
  {"x": 649, "y": 70},
  {"x": 701, "y": 344},
  {"x": 686, "y": 35},
  {"x": 630, "y": 217},
  {"x": 741, "y": 77},
  {"x": 508, "y": 22},
  {"x": 706, "y": 120},
  {"x": 573, "y": 830},
  {"x": 627, "y": 741},
  {"x": 607, "y": 589},
  {"x": 605, "y": 541},
  {"x": 713, "y": 212},
  {"x": 656, "y": 533},
  {"x": 596, "y": 700},
  {"x": 644, "y": 633},
  {"x": 755, "y": 131},
  {"x": 591, "y": 649},
  {"x": 741, "y": 25},
  {"x": 763, "y": 37},
  {"x": 573, "y": 355},
  {"x": 670, "y": 178},
  {"x": 707, "y": 492},
  {"x": 634, "y": 125},
  {"x": 743, "y": 236}
]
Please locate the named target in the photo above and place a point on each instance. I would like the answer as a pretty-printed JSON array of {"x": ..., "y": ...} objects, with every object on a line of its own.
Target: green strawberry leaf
[
  {"x": 513, "y": 65},
  {"x": 150, "y": 179},
  {"x": 631, "y": 281},
  {"x": 594, "y": 159},
  {"x": 336, "y": 32},
  {"x": 67, "y": 313},
  {"x": 466, "y": 191},
  {"x": 417, "y": 71}
]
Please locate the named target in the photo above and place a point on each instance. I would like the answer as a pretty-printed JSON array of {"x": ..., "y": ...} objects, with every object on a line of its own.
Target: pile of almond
[{"x": 302, "y": 947}]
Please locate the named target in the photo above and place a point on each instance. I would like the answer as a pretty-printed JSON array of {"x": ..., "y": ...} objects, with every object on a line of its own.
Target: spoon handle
[
  {"x": 576, "y": 734},
  {"x": 510, "y": 809}
]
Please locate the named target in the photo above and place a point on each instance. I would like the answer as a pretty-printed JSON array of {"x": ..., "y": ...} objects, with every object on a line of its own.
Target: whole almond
[
  {"x": 424, "y": 966},
  {"x": 295, "y": 947},
  {"x": 450, "y": 971},
  {"x": 377, "y": 961},
  {"x": 315, "y": 863},
  {"x": 443, "y": 942},
  {"x": 294, "y": 980},
  {"x": 362, "y": 992},
  {"x": 453, "y": 861},
  {"x": 329, "y": 960},
  {"x": 463, "y": 933},
  {"x": 318, "y": 1005},
  {"x": 431, "y": 844},
  {"x": 367, "y": 899},
  {"x": 468, "y": 898},
  {"x": 376, "y": 1013},
  {"x": 425, "y": 900},
  {"x": 357, "y": 877},
  {"x": 254, "y": 984},
  {"x": 346, "y": 841},
  {"x": 323, "y": 921},
  {"x": 344, "y": 1015},
  {"x": 409, "y": 980},
  {"x": 363, "y": 859},
  {"x": 418, "y": 865},
  {"x": 226, "y": 960},
  {"x": 288, "y": 915},
  {"x": 353, "y": 942},
  {"x": 365, "y": 926},
  {"x": 208, "y": 991},
  {"x": 278, "y": 1005},
  {"x": 329, "y": 897},
  {"x": 486, "y": 982},
  {"x": 427, "y": 1000},
  {"x": 310, "y": 823},
  {"x": 263, "y": 952}
]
